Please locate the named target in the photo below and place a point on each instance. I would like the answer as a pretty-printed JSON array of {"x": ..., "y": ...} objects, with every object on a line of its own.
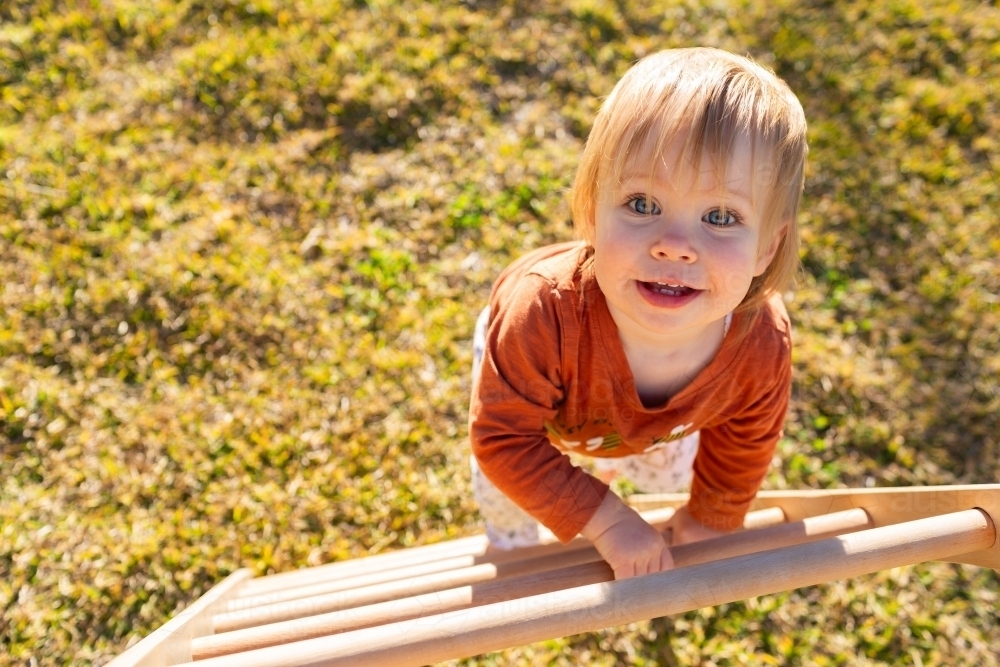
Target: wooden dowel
[
  {"x": 306, "y": 589},
  {"x": 324, "y": 597},
  {"x": 393, "y": 590},
  {"x": 393, "y": 610},
  {"x": 591, "y": 570},
  {"x": 357, "y": 566},
  {"x": 752, "y": 541},
  {"x": 254, "y": 592},
  {"x": 299, "y": 603},
  {"x": 478, "y": 553},
  {"x": 886, "y": 506},
  {"x": 359, "y": 581},
  {"x": 496, "y": 626},
  {"x": 473, "y": 547},
  {"x": 770, "y": 516}
]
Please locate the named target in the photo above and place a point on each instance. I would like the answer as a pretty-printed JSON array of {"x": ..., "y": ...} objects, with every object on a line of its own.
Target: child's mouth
[{"x": 668, "y": 289}]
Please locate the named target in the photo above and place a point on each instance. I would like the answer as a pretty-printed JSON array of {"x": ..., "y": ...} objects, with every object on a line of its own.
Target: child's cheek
[
  {"x": 735, "y": 271},
  {"x": 617, "y": 248}
]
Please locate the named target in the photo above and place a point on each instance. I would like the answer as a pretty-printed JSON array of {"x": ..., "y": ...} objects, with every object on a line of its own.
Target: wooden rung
[
  {"x": 886, "y": 506},
  {"x": 588, "y": 568},
  {"x": 769, "y": 516},
  {"x": 325, "y": 579},
  {"x": 393, "y": 565},
  {"x": 361, "y": 581},
  {"x": 332, "y": 596},
  {"x": 305, "y": 601},
  {"x": 391, "y": 590},
  {"x": 429, "y": 552},
  {"x": 500, "y": 625}
]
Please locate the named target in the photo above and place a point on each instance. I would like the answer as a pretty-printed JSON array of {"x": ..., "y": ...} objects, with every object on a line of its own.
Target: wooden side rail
[{"x": 170, "y": 644}]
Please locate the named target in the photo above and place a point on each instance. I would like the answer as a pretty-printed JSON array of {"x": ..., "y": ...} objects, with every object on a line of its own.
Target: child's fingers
[
  {"x": 624, "y": 571},
  {"x": 666, "y": 560},
  {"x": 651, "y": 564}
]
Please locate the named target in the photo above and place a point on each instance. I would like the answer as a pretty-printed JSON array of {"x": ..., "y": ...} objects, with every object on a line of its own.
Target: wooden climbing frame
[{"x": 453, "y": 599}]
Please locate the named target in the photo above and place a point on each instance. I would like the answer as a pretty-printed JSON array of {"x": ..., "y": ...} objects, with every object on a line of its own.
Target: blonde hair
[{"x": 711, "y": 99}]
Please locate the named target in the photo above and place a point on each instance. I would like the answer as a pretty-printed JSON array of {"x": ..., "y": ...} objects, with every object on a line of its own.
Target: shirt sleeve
[
  {"x": 733, "y": 456},
  {"x": 519, "y": 388}
]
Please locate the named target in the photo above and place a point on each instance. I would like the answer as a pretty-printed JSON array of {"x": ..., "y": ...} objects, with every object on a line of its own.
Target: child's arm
[
  {"x": 734, "y": 455},
  {"x": 629, "y": 545},
  {"x": 520, "y": 387}
]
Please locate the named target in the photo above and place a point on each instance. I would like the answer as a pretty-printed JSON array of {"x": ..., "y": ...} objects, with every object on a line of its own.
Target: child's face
[{"x": 682, "y": 238}]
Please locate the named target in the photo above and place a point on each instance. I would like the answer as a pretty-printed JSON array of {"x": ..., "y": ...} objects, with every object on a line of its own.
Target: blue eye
[
  {"x": 642, "y": 206},
  {"x": 721, "y": 219}
]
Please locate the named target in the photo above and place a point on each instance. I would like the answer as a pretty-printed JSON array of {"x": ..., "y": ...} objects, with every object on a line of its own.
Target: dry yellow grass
[{"x": 243, "y": 245}]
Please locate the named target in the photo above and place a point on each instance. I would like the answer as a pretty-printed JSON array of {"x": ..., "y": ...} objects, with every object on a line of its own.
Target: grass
[{"x": 244, "y": 244}]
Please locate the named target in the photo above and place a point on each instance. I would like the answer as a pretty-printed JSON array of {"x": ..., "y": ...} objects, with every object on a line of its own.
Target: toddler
[{"x": 659, "y": 343}]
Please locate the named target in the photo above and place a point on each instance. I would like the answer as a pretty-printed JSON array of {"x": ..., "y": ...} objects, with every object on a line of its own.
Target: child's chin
[{"x": 670, "y": 322}]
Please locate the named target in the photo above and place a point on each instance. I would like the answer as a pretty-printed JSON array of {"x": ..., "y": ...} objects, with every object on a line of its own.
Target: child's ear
[{"x": 764, "y": 259}]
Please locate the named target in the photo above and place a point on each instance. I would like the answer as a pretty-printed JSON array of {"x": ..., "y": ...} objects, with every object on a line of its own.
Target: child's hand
[
  {"x": 629, "y": 545},
  {"x": 687, "y": 529}
]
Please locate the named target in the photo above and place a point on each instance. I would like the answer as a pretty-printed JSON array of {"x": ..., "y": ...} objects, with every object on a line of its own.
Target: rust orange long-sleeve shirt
[{"x": 555, "y": 378}]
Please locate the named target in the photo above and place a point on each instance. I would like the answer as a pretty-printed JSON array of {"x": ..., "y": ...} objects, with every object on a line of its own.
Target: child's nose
[{"x": 674, "y": 247}]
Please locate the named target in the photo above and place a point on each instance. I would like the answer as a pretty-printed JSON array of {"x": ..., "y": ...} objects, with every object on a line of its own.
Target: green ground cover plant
[{"x": 243, "y": 245}]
